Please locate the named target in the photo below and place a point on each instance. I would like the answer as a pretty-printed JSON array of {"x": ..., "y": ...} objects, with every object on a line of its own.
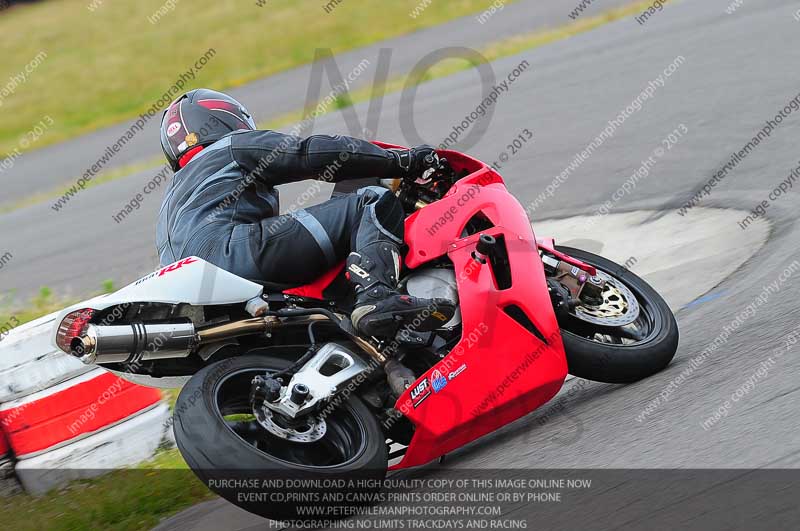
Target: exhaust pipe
[{"x": 135, "y": 342}]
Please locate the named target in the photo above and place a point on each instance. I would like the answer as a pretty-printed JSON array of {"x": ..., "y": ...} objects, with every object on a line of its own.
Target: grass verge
[{"x": 122, "y": 500}]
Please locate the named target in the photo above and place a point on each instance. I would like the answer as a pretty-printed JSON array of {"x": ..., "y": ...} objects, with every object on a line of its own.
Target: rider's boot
[{"x": 380, "y": 310}]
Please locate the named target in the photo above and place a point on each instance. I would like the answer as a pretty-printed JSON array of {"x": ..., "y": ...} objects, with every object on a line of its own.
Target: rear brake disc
[{"x": 312, "y": 431}]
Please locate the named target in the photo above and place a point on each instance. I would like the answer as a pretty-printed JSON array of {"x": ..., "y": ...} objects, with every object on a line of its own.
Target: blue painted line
[{"x": 706, "y": 298}]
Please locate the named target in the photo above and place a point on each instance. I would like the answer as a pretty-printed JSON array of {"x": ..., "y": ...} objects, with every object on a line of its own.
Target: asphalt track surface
[{"x": 739, "y": 71}]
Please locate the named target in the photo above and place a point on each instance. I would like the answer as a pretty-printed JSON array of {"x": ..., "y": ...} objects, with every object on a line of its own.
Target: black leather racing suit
[{"x": 223, "y": 207}]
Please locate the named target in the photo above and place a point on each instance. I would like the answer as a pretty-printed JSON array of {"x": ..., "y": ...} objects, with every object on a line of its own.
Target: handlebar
[{"x": 418, "y": 191}]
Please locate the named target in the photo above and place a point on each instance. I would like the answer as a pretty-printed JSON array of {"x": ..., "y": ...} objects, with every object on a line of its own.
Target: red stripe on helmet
[{"x": 218, "y": 104}]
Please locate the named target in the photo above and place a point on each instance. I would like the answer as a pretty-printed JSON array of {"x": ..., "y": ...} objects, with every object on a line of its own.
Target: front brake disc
[{"x": 619, "y": 306}]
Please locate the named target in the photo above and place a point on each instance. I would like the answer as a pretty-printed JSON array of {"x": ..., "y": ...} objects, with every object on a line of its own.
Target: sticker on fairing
[
  {"x": 420, "y": 393},
  {"x": 438, "y": 381},
  {"x": 168, "y": 269},
  {"x": 457, "y": 371}
]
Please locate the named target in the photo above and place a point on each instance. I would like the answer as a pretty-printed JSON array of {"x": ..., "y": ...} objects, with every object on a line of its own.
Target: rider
[{"x": 222, "y": 206}]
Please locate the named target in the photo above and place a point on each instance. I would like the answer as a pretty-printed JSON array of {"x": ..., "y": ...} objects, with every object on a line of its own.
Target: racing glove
[{"x": 415, "y": 161}]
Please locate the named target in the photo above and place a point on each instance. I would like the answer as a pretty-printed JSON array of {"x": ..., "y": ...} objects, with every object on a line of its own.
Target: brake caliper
[
  {"x": 264, "y": 389},
  {"x": 580, "y": 285}
]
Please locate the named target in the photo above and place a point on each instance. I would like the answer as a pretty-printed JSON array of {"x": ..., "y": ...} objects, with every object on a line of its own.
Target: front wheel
[
  {"x": 265, "y": 469},
  {"x": 601, "y": 344}
]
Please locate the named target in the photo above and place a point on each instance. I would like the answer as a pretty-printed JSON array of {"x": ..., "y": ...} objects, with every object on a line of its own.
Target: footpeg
[{"x": 409, "y": 337}]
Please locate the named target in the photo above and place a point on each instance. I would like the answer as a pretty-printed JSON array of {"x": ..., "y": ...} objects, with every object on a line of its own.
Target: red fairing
[
  {"x": 316, "y": 289},
  {"x": 499, "y": 371}
]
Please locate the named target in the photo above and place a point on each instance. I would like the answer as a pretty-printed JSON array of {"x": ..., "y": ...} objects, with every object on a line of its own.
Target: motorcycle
[{"x": 278, "y": 384}]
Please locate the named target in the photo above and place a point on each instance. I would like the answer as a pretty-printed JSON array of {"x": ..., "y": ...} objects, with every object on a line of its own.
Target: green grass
[
  {"x": 40, "y": 305},
  {"x": 123, "y": 500},
  {"x": 110, "y": 64}
]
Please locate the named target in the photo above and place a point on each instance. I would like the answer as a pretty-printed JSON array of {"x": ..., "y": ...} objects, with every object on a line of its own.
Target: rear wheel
[
  {"x": 603, "y": 342},
  {"x": 284, "y": 469}
]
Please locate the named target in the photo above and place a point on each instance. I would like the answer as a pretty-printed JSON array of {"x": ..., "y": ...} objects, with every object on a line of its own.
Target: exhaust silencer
[{"x": 135, "y": 342}]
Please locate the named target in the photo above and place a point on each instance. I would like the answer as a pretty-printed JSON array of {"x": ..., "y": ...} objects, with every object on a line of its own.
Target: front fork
[{"x": 570, "y": 281}]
